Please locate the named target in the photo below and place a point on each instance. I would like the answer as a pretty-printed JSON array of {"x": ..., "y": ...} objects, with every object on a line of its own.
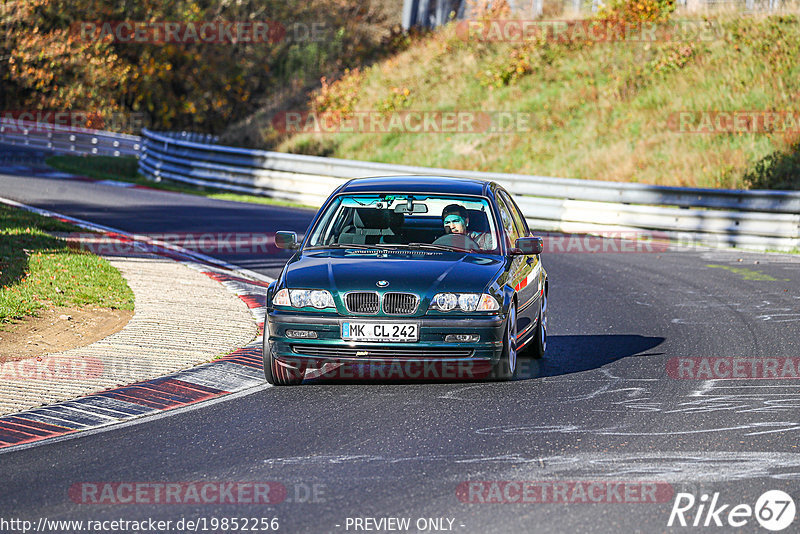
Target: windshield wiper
[
  {"x": 352, "y": 245},
  {"x": 341, "y": 245},
  {"x": 448, "y": 248}
]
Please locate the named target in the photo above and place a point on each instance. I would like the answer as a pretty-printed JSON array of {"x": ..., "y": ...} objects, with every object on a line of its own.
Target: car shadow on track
[
  {"x": 573, "y": 354},
  {"x": 565, "y": 355}
]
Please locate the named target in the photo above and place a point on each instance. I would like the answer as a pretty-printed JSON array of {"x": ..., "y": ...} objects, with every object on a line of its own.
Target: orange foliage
[{"x": 187, "y": 85}]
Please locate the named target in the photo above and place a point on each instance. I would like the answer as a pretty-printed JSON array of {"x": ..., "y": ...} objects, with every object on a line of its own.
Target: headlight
[
  {"x": 444, "y": 302},
  {"x": 468, "y": 301},
  {"x": 464, "y": 301},
  {"x": 318, "y": 298},
  {"x": 303, "y": 298}
]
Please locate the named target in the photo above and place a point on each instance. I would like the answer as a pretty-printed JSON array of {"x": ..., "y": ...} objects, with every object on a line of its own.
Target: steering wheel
[{"x": 458, "y": 241}]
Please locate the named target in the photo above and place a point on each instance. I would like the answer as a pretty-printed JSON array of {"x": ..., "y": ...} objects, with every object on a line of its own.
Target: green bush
[{"x": 779, "y": 170}]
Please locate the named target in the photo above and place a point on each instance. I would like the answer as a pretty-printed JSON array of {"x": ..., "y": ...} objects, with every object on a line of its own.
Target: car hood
[{"x": 422, "y": 272}]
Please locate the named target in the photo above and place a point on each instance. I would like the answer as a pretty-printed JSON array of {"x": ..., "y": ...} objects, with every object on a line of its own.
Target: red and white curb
[{"x": 236, "y": 372}]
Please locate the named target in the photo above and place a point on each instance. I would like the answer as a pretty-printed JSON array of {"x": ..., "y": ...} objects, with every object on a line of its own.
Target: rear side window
[
  {"x": 519, "y": 221},
  {"x": 507, "y": 219}
]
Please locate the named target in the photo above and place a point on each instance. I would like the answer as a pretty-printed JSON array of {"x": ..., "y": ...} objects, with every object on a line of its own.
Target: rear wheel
[
  {"x": 277, "y": 374},
  {"x": 539, "y": 342},
  {"x": 506, "y": 368}
]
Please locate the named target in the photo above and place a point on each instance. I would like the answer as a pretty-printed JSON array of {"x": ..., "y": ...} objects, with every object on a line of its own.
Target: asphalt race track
[{"x": 603, "y": 406}]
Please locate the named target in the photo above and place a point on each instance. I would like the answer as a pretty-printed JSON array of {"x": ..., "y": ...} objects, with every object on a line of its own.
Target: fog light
[
  {"x": 302, "y": 334},
  {"x": 461, "y": 338}
]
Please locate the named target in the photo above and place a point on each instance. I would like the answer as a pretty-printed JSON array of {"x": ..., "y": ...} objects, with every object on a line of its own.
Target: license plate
[{"x": 401, "y": 332}]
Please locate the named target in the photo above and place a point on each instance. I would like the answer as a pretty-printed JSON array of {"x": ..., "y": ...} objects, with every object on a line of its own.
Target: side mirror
[
  {"x": 529, "y": 245},
  {"x": 287, "y": 240}
]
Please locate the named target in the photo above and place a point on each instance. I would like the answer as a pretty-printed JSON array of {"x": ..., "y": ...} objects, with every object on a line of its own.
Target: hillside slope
[{"x": 594, "y": 109}]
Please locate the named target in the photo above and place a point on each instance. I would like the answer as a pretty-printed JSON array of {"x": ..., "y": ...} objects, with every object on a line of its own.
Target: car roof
[{"x": 417, "y": 184}]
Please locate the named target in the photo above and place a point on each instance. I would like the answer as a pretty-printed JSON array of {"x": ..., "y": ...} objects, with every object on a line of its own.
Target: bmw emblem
[{"x": 382, "y": 283}]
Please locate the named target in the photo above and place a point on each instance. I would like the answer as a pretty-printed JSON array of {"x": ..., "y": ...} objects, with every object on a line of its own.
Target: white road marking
[
  {"x": 246, "y": 273},
  {"x": 667, "y": 466}
]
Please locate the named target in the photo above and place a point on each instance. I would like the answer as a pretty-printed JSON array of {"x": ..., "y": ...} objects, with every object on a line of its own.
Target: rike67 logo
[{"x": 774, "y": 510}]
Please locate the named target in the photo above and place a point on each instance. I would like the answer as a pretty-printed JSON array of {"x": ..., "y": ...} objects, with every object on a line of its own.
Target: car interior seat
[
  {"x": 479, "y": 222},
  {"x": 372, "y": 226}
]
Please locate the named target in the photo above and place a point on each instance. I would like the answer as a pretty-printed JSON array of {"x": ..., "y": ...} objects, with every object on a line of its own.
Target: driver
[{"x": 455, "y": 219}]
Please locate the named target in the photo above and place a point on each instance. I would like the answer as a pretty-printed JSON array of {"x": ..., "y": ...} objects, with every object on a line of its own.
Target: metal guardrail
[
  {"x": 752, "y": 219},
  {"x": 433, "y": 13},
  {"x": 68, "y": 140}
]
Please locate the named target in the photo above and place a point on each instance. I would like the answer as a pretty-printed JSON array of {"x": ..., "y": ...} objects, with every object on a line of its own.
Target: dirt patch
[{"x": 58, "y": 329}]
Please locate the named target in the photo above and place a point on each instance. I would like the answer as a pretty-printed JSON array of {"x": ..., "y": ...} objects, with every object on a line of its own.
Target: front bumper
[{"x": 329, "y": 347}]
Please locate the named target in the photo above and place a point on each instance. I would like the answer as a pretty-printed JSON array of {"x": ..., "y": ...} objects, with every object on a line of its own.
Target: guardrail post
[{"x": 409, "y": 13}]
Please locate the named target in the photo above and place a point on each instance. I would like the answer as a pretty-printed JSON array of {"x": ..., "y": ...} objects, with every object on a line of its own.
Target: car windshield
[{"x": 442, "y": 222}]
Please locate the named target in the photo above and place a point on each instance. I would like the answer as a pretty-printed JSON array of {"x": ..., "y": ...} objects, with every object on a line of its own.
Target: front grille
[
  {"x": 333, "y": 351},
  {"x": 400, "y": 303},
  {"x": 362, "y": 302}
]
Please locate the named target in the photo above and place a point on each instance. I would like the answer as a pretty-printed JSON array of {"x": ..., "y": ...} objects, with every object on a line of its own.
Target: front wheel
[
  {"x": 277, "y": 374},
  {"x": 506, "y": 368}
]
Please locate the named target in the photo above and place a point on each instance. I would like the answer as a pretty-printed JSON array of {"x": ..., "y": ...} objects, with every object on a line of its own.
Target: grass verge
[
  {"x": 126, "y": 169},
  {"x": 38, "y": 269}
]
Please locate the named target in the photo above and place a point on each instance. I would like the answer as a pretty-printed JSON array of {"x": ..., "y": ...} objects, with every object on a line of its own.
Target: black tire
[
  {"x": 506, "y": 368},
  {"x": 277, "y": 374},
  {"x": 538, "y": 344}
]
